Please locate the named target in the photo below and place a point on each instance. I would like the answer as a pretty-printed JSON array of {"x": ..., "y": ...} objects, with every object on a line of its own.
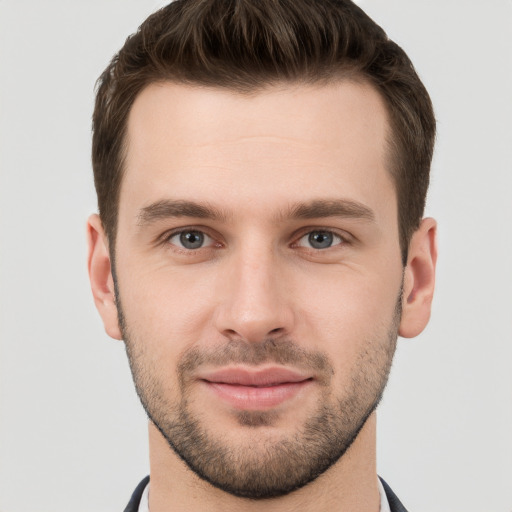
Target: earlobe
[
  {"x": 419, "y": 280},
  {"x": 100, "y": 275}
]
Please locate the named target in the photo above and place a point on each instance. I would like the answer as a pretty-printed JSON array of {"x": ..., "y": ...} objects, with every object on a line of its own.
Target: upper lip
[{"x": 244, "y": 376}]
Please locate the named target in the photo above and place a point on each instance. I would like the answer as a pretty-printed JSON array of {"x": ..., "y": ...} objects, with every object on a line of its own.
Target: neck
[{"x": 349, "y": 485}]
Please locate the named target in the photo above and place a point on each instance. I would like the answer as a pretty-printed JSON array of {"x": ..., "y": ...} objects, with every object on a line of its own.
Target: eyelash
[
  {"x": 166, "y": 238},
  {"x": 342, "y": 240}
]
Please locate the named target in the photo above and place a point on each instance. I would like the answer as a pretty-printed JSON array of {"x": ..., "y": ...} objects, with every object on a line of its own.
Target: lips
[{"x": 249, "y": 389}]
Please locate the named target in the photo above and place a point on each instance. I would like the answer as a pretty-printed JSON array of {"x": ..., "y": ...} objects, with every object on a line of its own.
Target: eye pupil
[
  {"x": 320, "y": 239},
  {"x": 192, "y": 239}
]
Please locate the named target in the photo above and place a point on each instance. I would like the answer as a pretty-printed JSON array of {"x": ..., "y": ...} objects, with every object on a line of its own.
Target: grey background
[{"x": 72, "y": 434}]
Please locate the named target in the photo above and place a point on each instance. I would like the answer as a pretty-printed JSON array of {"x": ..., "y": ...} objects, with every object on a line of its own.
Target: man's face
[{"x": 258, "y": 275}]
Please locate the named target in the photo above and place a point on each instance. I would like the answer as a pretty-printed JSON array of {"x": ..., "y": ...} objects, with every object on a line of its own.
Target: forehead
[
  {"x": 308, "y": 113},
  {"x": 284, "y": 143}
]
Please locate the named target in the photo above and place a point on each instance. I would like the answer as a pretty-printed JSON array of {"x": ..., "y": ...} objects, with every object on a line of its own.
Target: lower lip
[{"x": 257, "y": 398}]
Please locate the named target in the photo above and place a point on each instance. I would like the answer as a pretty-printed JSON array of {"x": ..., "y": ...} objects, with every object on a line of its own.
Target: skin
[{"x": 253, "y": 158}]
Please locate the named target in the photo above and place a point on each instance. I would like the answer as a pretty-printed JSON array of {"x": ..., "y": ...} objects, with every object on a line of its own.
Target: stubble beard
[{"x": 266, "y": 467}]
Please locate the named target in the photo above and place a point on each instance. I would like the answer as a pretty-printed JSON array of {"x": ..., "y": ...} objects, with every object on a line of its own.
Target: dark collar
[
  {"x": 395, "y": 504},
  {"x": 133, "y": 505}
]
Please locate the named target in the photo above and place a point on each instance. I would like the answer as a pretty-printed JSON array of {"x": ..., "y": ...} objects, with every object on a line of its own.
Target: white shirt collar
[
  {"x": 144, "y": 501},
  {"x": 384, "y": 504}
]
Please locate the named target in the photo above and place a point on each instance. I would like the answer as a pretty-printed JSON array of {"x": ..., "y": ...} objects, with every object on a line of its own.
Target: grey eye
[
  {"x": 320, "y": 239},
  {"x": 190, "y": 240}
]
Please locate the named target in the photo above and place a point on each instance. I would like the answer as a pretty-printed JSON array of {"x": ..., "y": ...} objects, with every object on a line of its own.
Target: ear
[
  {"x": 100, "y": 275},
  {"x": 419, "y": 280}
]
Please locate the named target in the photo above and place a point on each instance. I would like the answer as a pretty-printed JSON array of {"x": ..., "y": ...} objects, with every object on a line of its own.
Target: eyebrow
[
  {"x": 331, "y": 208},
  {"x": 167, "y": 208}
]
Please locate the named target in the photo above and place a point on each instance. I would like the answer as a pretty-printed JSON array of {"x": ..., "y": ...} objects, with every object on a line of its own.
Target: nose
[{"x": 255, "y": 303}]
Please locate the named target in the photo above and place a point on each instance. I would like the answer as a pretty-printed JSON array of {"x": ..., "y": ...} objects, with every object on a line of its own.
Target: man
[{"x": 261, "y": 170}]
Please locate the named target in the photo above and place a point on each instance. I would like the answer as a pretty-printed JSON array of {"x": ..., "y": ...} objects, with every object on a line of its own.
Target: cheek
[
  {"x": 162, "y": 322},
  {"x": 167, "y": 308},
  {"x": 347, "y": 310}
]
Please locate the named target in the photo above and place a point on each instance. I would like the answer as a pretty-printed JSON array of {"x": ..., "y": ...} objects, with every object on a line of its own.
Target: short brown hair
[{"x": 245, "y": 45}]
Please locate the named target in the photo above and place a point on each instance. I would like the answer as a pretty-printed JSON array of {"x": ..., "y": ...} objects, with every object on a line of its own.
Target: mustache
[{"x": 283, "y": 352}]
